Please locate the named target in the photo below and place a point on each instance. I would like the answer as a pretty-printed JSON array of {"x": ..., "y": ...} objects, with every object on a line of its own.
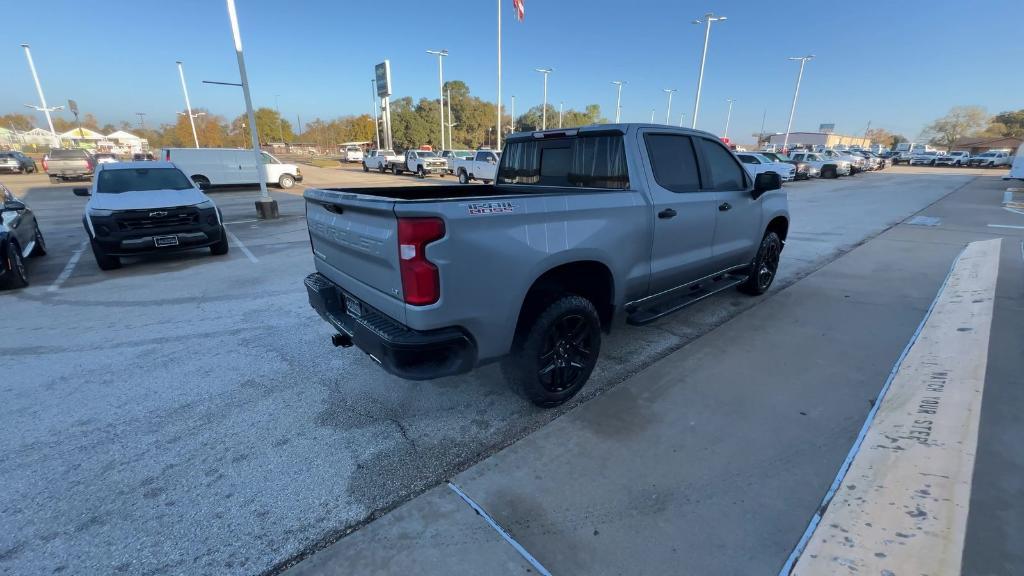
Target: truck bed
[{"x": 443, "y": 192}]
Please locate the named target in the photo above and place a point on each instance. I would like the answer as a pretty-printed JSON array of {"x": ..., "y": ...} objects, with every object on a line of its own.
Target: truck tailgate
[{"x": 355, "y": 244}]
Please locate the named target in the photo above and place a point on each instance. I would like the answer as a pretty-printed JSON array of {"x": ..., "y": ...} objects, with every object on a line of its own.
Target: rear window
[
  {"x": 141, "y": 179},
  {"x": 582, "y": 162},
  {"x": 62, "y": 154}
]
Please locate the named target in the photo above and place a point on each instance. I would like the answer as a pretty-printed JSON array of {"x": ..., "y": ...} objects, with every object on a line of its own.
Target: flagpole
[{"x": 498, "y": 141}]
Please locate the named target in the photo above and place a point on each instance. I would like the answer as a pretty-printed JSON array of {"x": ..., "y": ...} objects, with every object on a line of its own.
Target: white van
[{"x": 229, "y": 166}]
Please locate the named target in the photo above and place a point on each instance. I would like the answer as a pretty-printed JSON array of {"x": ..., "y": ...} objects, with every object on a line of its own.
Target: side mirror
[
  {"x": 766, "y": 182},
  {"x": 14, "y": 205},
  {"x": 81, "y": 191}
]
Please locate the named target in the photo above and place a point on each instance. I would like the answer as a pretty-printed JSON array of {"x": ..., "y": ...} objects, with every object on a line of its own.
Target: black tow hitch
[{"x": 341, "y": 340}]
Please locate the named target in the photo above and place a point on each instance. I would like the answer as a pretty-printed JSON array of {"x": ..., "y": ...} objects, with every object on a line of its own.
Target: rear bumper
[{"x": 400, "y": 350}]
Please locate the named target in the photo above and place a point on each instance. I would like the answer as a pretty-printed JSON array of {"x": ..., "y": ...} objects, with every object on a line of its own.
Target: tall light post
[
  {"x": 188, "y": 105},
  {"x": 792, "y": 110},
  {"x": 266, "y": 207},
  {"x": 652, "y": 115},
  {"x": 450, "y": 124},
  {"x": 440, "y": 86},
  {"x": 192, "y": 118},
  {"x": 42, "y": 99},
  {"x": 668, "y": 109},
  {"x": 373, "y": 104},
  {"x": 561, "y": 111},
  {"x": 498, "y": 147},
  {"x": 513, "y": 112},
  {"x": 708, "y": 19},
  {"x": 618, "y": 98},
  {"x": 728, "y": 117},
  {"x": 544, "y": 107},
  {"x": 280, "y": 122},
  {"x": 681, "y": 116}
]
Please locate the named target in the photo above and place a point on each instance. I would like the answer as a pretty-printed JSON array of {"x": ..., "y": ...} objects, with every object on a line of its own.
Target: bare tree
[{"x": 960, "y": 121}]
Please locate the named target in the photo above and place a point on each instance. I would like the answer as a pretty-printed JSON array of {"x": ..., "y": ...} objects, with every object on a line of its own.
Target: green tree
[
  {"x": 879, "y": 136},
  {"x": 271, "y": 127},
  {"x": 1010, "y": 123},
  {"x": 960, "y": 121}
]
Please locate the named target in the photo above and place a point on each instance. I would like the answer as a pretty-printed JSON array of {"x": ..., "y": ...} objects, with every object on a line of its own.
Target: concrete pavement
[
  {"x": 187, "y": 414},
  {"x": 713, "y": 460}
]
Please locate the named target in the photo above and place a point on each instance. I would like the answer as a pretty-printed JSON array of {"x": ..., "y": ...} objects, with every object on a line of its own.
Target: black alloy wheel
[
  {"x": 567, "y": 351},
  {"x": 765, "y": 265}
]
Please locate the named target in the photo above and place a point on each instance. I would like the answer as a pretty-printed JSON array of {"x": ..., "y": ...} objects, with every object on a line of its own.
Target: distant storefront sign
[{"x": 382, "y": 72}]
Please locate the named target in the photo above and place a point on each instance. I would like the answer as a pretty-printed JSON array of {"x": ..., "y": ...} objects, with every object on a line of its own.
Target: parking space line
[
  {"x": 1005, "y": 226},
  {"x": 242, "y": 221},
  {"x": 902, "y": 504},
  {"x": 241, "y": 246},
  {"x": 501, "y": 531},
  {"x": 68, "y": 268}
]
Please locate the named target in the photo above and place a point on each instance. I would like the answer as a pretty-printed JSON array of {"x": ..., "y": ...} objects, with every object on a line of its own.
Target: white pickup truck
[
  {"x": 421, "y": 163},
  {"x": 482, "y": 166},
  {"x": 379, "y": 160}
]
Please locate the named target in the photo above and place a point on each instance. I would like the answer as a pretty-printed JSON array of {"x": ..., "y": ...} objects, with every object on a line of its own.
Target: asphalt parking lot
[{"x": 187, "y": 414}]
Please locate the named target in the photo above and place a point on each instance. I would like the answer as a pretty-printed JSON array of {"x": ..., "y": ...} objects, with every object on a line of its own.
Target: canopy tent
[{"x": 82, "y": 134}]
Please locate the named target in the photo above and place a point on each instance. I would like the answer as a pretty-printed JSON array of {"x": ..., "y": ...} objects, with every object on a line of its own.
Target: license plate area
[
  {"x": 353, "y": 307},
  {"x": 161, "y": 241}
]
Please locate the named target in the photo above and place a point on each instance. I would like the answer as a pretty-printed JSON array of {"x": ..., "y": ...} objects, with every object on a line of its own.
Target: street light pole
[
  {"x": 681, "y": 116},
  {"x": 266, "y": 207},
  {"x": 440, "y": 87},
  {"x": 373, "y": 104},
  {"x": 668, "y": 109},
  {"x": 544, "y": 108},
  {"x": 498, "y": 147},
  {"x": 708, "y": 19},
  {"x": 191, "y": 117},
  {"x": 42, "y": 99},
  {"x": 618, "y": 98},
  {"x": 450, "y": 123},
  {"x": 796, "y": 93},
  {"x": 188, "y": 105},
  {"x": 728, "y": 117},
  {"x": 561, "y": 110},
  {"x": 280, "y": 122}
]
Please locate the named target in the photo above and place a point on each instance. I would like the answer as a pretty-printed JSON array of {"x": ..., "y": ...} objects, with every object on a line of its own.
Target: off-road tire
[
  {"x": 549, "y": 340},
  {"x": 764, "y": 267},
  {"x": 16, "y": 275}
]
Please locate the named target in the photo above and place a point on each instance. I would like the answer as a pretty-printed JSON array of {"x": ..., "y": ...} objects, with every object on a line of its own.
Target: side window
[
  {"x": 749, "y": 159},
  {"x": 673, "y": 162},
  {"x": 481, "y": 156},
  {"x": 726, "y": 173}
]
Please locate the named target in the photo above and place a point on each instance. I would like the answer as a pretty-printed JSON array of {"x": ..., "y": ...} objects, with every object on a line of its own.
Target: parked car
[
  {"x": 924, "y": 158},
  {"x": 20, "y": 238},
  {"x": 757, "y": 163},
  {"x": 68, "y": 164},
  {"x": 871, "y": 162},
  {"x": 143, "y": 157},
  {"x": 804, "y": 171},
  {"x": 104, "y": 158},
  {"x": 954, "y": 158},
  {"x": 379, "y": 160},
  {"x": 421, "y": 163},
  {"x": 481, "y": 166},
  {"x": 138, "y": 208},
  {"x": 17, "y": 162},
  {"x": 230, "y": 167},
  {"x": 857, "y": 163},
  {"x": 450, "y": 156},
  {"x": 583, "y": 227},
  {"x": 991, "y": 159},
  {"x": 828, "y": 168},
  {"x": 353, "y": 154}
]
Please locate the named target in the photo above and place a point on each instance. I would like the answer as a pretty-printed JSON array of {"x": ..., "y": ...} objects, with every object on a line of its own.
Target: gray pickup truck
[
  {"x": 68, "y": 164},
  {"x": 582, "y": 228}
]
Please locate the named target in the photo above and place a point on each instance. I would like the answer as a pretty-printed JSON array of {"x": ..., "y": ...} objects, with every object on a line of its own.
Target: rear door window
[{"x": 674, "y": 162}]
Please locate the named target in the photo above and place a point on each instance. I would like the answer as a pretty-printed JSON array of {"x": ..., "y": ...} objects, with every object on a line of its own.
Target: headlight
[
  {"x": 208, "y": 205},
  {"x": 97, "y": 212}
]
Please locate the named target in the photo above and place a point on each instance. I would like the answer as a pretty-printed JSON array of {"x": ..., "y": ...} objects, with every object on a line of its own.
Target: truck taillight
[
  {"x": 421, "y": 283},
  {"x": 46, "y": 165},
  {"x": 167, "y": 155}
]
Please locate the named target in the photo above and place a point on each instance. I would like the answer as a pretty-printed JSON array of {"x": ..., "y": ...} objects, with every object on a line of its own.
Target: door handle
[
  {"x": 667, "y": 213},
  {"x": 724, "y": 206}
]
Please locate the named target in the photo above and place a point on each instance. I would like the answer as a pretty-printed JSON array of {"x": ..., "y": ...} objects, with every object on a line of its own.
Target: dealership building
[{"x": 814, "y": 139}]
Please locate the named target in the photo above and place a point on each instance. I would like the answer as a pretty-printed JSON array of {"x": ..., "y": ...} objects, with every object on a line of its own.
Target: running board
[{"x": 696, "y": 293}]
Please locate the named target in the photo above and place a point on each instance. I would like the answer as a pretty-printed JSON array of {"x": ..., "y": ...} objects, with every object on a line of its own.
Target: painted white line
[
  {"x": 1005, "y": 226},
  {"x": 242, "y": 221},
  {"x": 501, "y": 531},
  {"x": 241, "y": 246},
  {"x": 1007, "y": 196},
  {"x": 1014, "y": 210},
  {"x": 68, "y": 268},
  {"x": 902, "y": 505}
]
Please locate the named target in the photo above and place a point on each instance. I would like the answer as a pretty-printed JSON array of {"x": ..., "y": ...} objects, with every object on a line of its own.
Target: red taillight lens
[
  {"x": 167, "y": 155},
  {"x": 421, "y": 283},
  {"x": 46, "y": 165}
]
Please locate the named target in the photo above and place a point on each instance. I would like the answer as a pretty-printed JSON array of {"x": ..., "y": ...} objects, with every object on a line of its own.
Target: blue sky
[{"x": 896, "y": 64}]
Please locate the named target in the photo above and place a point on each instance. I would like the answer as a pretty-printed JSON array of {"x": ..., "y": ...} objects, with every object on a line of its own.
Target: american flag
[{"x": 520, "y": 9}]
